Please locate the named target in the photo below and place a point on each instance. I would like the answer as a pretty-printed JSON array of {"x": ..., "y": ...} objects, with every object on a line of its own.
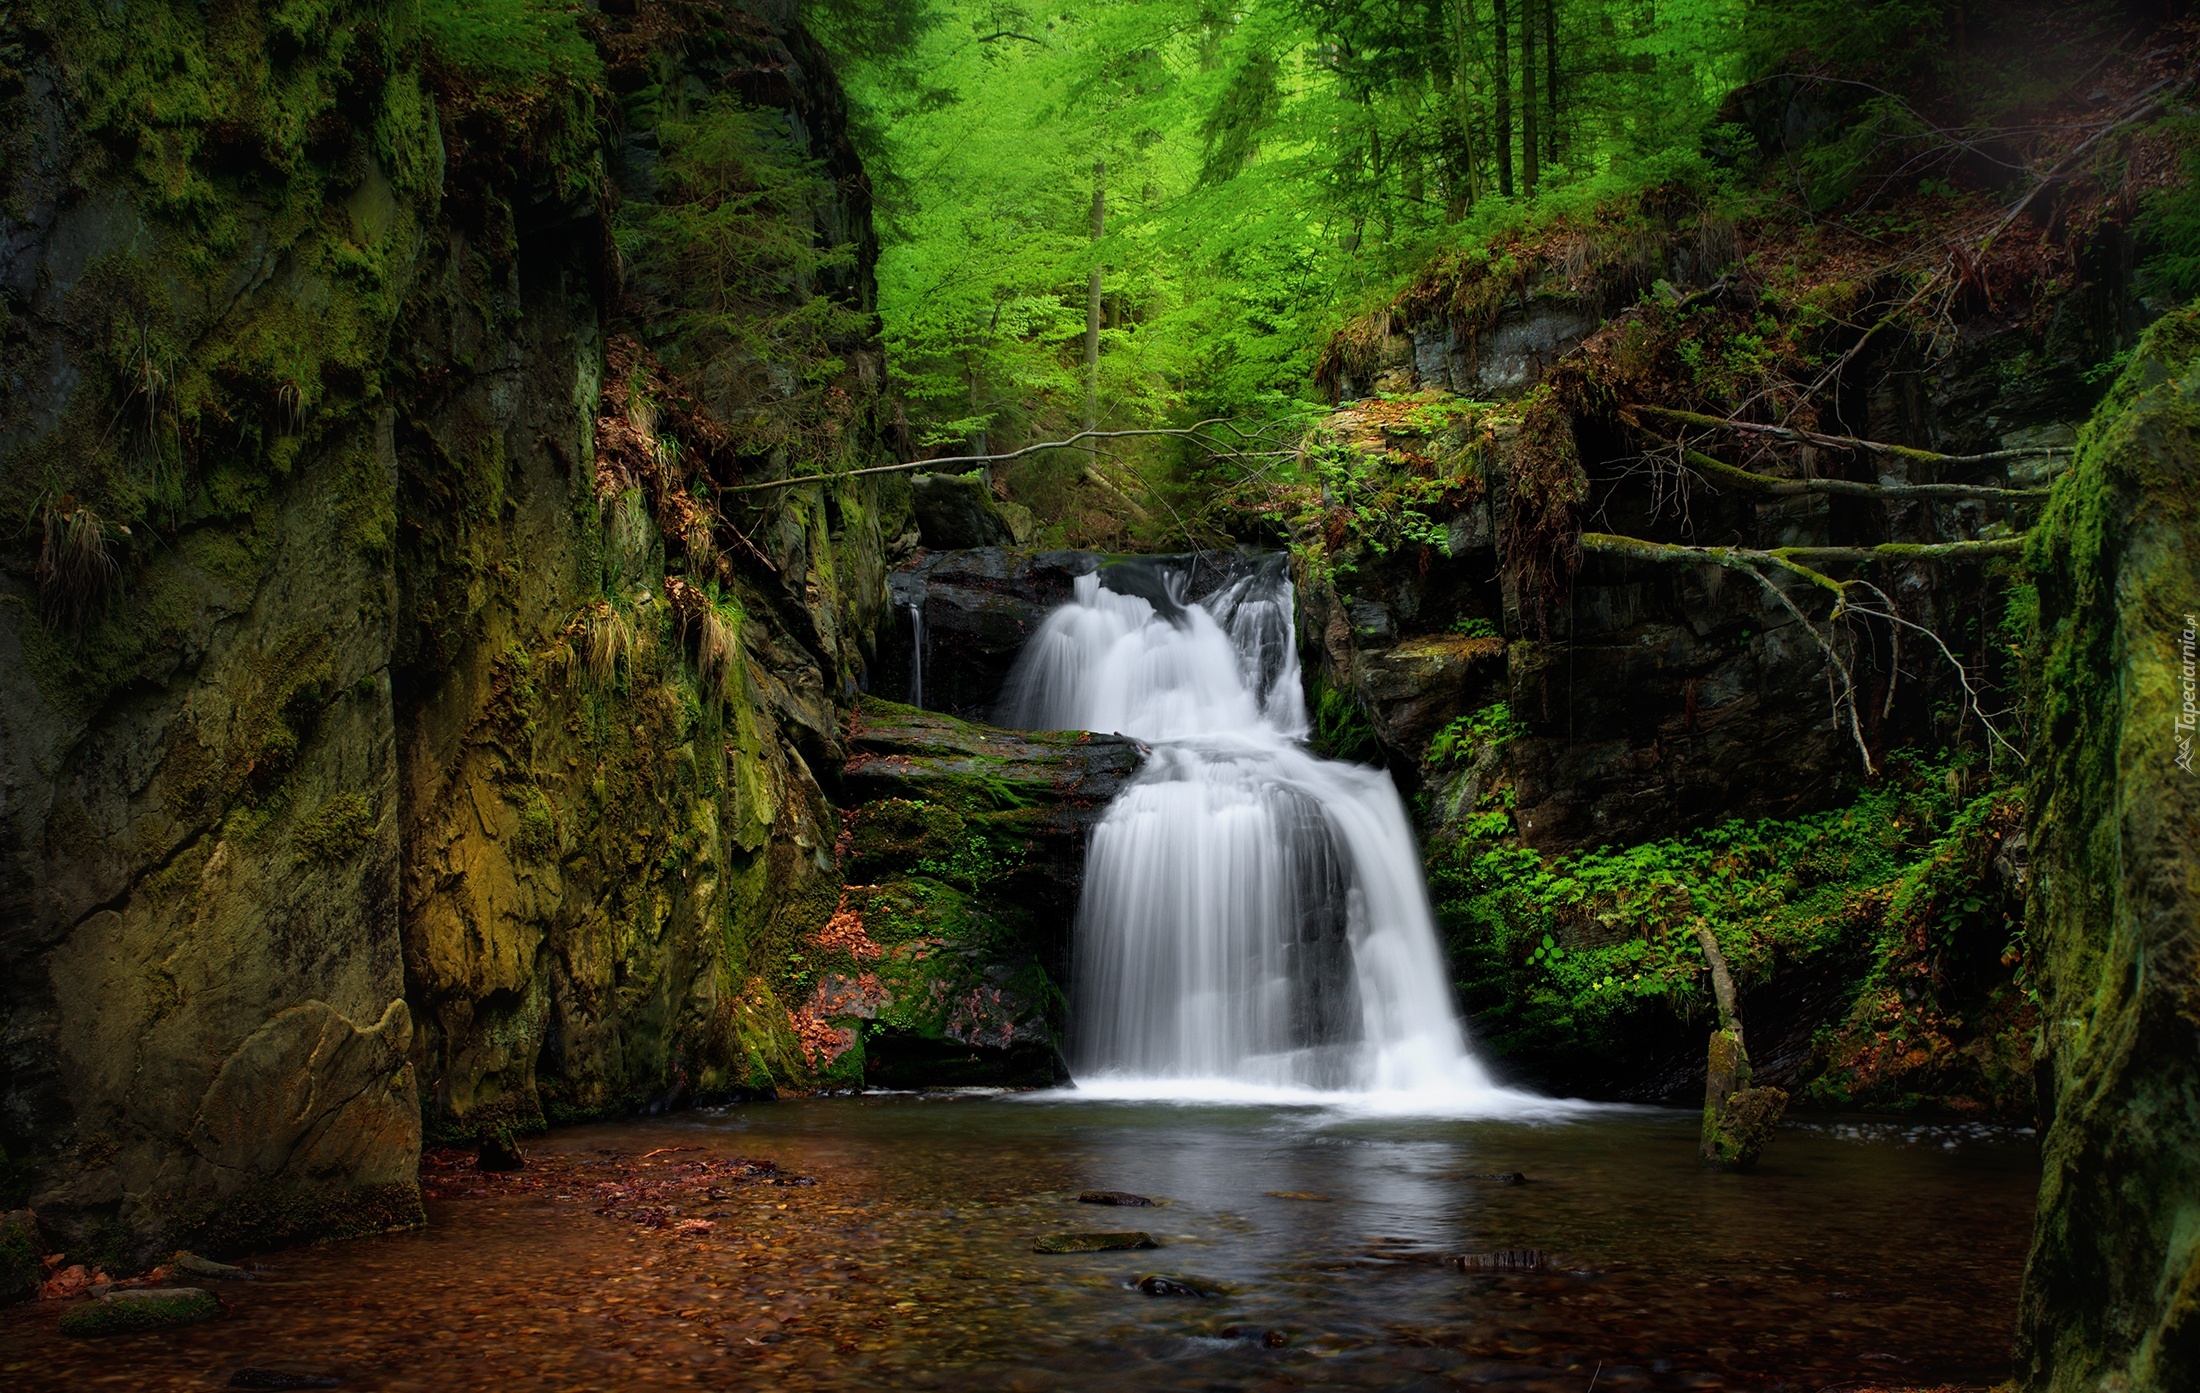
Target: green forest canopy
[{"x": 1271, "y": 167}]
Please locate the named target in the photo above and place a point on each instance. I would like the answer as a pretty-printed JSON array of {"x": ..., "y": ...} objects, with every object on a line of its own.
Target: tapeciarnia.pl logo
[{"x": 2188, "y": 682}]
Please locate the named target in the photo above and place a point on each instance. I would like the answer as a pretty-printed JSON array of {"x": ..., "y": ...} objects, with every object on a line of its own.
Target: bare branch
[
  {"x": 1192, "y": 433},
  {"x": 1849, "y": 442}
]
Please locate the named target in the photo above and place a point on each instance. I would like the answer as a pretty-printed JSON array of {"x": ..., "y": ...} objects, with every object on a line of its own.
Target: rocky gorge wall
[
  {"x": 2112, "y": 1292},
  {"x": 404, "y": 731}
]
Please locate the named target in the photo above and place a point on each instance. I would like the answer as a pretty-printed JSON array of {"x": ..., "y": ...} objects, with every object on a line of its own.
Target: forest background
[{"x": 1240, "y": 182}]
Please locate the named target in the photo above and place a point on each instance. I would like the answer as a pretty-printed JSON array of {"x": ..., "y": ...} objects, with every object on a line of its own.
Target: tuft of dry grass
[
  {"x": 77, "y": 569},
  {"x": 610, "y": 643}
]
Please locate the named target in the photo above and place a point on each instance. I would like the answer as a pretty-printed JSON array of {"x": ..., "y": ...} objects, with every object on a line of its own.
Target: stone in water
[{"x": 1092, "y": 1242}]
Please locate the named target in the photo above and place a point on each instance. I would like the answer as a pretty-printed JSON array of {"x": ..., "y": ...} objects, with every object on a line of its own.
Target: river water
[{"x": 1853, "y": 1256}]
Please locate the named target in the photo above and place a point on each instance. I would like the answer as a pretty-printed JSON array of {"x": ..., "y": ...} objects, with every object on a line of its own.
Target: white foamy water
[{"x": 1254, "y": 925}]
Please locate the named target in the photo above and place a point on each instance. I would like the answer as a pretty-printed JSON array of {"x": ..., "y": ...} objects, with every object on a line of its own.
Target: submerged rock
[
  {"x": 140, "y": 1308},
  {"x": 1271, "y": 1339},
  {"x": 1092, "y": 1242},
  {"x": 1115, "y": 1197},
  {"x": 206, "y": 1269},
  {"x": 501, "y": 1153}
]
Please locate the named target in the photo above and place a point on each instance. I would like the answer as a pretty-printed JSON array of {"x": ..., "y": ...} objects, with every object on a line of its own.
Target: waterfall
[
  {"x": 1254, "y": 922},
  {"x": 916, "y": 650}
]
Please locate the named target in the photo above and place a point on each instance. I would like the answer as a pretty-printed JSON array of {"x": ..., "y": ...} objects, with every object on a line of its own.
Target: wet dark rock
[
  {"x": 1271, "y": 1339},
  {"x": 1501, "y": 1177},
  {"x": 500, "y": 1153},
  {"x": 1115, "y": 1197},
  {"x": 206, "y": 1269},
  {"x": 981, "y": 604},
  {"x": 1195, "y": 1288},
  {"x": 957, "y": 511},
  {"x": 140, "y": 1308},
  {"x": 281, "y": 1378},
  {"x": 1092, "y": 1242}
]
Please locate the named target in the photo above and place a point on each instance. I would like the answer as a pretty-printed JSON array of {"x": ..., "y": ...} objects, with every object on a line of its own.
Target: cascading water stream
[{"x": 1254, "y": 922}]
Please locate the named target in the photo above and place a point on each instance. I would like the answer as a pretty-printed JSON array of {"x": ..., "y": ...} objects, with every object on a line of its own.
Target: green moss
[
  {"x": 1341, "y": 729},
  {"x": 338, "y": 829}
]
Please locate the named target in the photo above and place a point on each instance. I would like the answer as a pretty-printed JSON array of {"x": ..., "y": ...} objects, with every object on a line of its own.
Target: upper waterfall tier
[{"x": 1253, "y": 920}]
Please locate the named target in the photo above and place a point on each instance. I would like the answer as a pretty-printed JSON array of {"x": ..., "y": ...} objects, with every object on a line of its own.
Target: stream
[{"x": 1857, "y": 1254}]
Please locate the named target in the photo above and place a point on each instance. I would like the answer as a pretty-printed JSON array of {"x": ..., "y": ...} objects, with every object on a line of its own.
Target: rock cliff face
[
  {"x": 391, "y": 736},
  {"x": 2112, "y": 1293}
]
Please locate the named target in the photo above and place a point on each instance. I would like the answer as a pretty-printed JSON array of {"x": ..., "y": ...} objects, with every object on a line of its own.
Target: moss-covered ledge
[{"x": 2112, "y": 1293}]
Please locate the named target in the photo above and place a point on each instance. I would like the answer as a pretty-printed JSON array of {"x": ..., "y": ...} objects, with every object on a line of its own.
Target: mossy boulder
[
  {"x": 140, "y": 1308},
  {"x": 1092, "y": 1242},
  {"x": 943, "y": 962},
  {"x": 20, "y": 1251},
  {"x": 2112, "y": 1291}
]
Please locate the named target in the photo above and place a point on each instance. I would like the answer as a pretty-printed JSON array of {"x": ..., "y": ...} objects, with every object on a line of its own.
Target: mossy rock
[
  {"x": 896, "y": 833},
  {"x": 143, "y": 1308},
  {"x": 1742, "y": 1129},
  {"x": 20, "y": 1269},
  {"x": 1092, "y": 1242}
]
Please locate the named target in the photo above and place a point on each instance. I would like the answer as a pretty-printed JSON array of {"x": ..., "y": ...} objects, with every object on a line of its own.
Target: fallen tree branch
[
  {"x": 1891, "y": 552},
  {"x": 1192, "y": 433},
  {"x": 1849, "y": 442},
  {"x": 1846, "y": 488}
]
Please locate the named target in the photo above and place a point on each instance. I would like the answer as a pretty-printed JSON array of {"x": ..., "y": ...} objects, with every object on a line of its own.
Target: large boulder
[
  {"x": 956, "y": 511},
  {"x": 946, "y": 959},
  {"x": 2112, "y": 1291}
]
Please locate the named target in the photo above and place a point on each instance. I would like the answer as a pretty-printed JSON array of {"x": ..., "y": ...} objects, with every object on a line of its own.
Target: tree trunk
[
  {"x": 1529, "y": 164},
  {"x": 1501, "y": 64},
  {"x": 1092, "y": 298},
  {"x": 1737, "y": 1119},
  {"x": 1550, "y": 70}
]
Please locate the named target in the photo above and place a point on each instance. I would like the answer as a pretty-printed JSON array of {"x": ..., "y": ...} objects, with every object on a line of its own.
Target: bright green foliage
[
  {"x": 1467, "y": 738},
  {"x": 1266, "y": 168},
  {"x": 1595, "y": 952}
]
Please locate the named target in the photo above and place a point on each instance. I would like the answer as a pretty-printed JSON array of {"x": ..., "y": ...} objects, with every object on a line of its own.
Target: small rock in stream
[
  {"x": 140, "y": 1308},
  {"x": 1272, "y": 1339},
  {"x": 1116, "y": 1197},
  {"x": 281, "y": 1378},
  {"x": 1197, "y": 1288},
  {"x": 206, "y": 1269},
  {"x": 1092, "y": 1242},
  {"x": 1502, "y": 1177}
]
